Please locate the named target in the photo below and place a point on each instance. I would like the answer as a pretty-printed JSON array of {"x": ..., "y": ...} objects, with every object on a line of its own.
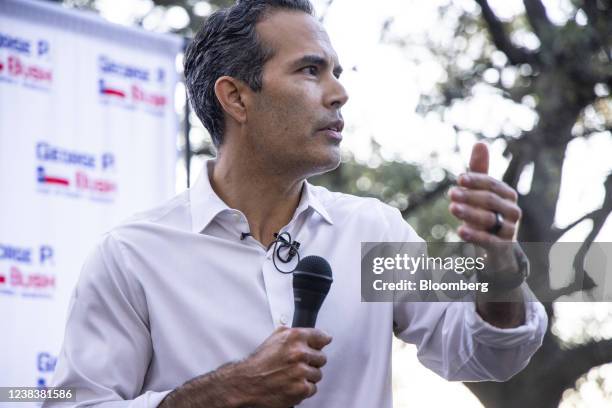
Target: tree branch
[
  {"x": 516, "y": 55},
  {"x": 597, "y": 216},
  {"x": 423, "y": 198},
  {"x": 598, "y": 22},
  {"x": 582, "y": 281},
  {"x": 536, "y": 15},
  {"x": 558, "y": 232},
  {"x": 521, "y": 152},
  {"x": 582, "y": 358}
]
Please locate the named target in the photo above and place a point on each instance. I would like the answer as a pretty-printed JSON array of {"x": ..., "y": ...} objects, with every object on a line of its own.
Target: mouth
[{"x": 333, "y": 129}]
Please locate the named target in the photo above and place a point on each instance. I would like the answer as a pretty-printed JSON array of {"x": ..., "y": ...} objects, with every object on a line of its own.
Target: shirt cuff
[
  {"x": 536, "y": 322},
  {"x": 150, "y": 399}
]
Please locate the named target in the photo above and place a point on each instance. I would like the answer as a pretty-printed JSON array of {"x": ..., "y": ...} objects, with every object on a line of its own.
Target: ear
[{"x": 230, "y": 94}]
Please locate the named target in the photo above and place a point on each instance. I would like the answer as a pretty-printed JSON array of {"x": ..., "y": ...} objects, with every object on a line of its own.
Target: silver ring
[{"x": 499, "y": 222}]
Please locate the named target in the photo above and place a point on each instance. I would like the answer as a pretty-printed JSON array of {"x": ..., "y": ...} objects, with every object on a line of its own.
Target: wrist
[
  {"x": 504, "y": 310},
  {"x": 507, "y": 269},
  {"x": 216, "y": 389},
  {"x": 235, "y": 388}
]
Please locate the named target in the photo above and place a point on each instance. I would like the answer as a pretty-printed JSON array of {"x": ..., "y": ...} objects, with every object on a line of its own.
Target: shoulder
[
  {"x": 370, "y": 213},
  {"x": 170, "y": 216},
  {"x": 141, "y": 234},
  {"x": 172, "y": 212}
]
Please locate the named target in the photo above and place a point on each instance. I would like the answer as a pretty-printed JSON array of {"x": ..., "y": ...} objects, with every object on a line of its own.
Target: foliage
[{"x": 562, "y": 74}]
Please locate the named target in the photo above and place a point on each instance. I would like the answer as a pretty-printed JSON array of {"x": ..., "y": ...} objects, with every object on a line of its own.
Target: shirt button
[{"x": 283, "y": 319}]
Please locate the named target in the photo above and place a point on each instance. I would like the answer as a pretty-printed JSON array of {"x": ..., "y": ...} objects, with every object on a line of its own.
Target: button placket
[
  {"x": 279, "y": 290},
  {"x": 279, "y": 286}
]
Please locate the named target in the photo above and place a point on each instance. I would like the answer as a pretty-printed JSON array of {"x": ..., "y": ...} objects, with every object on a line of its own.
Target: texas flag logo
[
  {"x": 107, "y": 90},
  {"x": 43, "y": 178}
]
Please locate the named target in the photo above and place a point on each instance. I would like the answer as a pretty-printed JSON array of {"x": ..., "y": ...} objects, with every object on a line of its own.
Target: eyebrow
[{"x": 319, "y": 61}]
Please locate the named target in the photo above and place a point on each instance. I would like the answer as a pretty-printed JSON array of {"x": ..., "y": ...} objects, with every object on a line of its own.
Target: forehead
[{"x": 292, "y": 34}]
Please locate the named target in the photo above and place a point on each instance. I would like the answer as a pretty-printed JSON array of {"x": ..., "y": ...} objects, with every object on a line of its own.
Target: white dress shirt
[{"x": 174, "y": 293}]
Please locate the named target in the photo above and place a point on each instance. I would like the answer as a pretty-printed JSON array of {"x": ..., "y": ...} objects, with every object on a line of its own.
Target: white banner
[{"x": 87, "y": 137}]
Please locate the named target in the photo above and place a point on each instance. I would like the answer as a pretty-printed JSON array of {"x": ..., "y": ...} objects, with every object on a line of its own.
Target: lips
[{"x": 334, "y": 126}]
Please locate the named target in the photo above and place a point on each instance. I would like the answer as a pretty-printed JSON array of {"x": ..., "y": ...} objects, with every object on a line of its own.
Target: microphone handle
[{"x": 304, "y": 318}]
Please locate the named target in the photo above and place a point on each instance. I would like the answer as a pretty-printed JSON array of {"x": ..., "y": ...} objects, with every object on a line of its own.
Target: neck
[{"x": 267, "y": 197}]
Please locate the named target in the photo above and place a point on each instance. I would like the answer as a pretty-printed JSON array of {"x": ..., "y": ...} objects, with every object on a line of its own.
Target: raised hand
[{"x": 487, "y": 207}]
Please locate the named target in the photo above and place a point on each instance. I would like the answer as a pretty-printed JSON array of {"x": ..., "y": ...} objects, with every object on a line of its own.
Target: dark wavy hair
[{"x": 228, "y": 44}]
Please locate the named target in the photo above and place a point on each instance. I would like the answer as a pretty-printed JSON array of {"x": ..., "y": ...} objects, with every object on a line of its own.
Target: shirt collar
[
  {"x": 310, "y": 200},
  {"x": 206, "y": 204}
]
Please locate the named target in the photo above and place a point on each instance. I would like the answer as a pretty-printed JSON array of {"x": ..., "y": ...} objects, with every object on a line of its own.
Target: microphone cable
[{"x": 281, "y": 241}]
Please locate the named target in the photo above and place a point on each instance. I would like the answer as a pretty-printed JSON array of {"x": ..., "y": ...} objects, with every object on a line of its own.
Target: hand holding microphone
[{"x": 284, "y": 370}]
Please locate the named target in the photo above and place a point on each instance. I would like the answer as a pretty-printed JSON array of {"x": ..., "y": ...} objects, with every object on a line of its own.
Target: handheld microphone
[{"x": 312, "y": 279}]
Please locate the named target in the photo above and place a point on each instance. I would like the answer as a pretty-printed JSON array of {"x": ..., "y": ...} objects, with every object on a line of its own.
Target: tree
[{"x": 565, "y": 79}]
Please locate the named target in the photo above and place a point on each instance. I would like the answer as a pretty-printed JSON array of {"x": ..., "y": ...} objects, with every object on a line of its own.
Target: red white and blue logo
[
  {"x": 44, "y": 178},
  {"x": 25, "y": 62},
  {"x": 75, "y": 174},
  {"x": 110, "y": 91},
  {"x": 26, "y": 271},
  {"x": 131, "y": 87}
]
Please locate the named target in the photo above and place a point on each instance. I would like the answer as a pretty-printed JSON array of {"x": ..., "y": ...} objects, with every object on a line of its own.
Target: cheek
[
  {"x": 291, "y": 115},
  {"x": 287, "y": 111}
]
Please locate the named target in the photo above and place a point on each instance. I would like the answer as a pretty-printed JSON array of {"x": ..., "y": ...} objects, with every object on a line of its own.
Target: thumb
[{"x": 479, "y": 161}]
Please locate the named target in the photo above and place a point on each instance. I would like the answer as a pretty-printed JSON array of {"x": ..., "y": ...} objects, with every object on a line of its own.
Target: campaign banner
[{"x": 88, "y": 134}]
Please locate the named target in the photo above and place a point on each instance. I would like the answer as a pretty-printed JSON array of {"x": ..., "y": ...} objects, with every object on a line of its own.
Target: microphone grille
[{"x": 315, "y": 265}]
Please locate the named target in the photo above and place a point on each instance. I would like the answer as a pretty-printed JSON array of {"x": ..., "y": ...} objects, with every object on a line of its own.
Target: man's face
[{"x": 295, "y": 120}]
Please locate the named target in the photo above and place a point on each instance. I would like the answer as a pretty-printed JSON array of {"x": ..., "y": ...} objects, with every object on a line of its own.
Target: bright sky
[{"x": 384, "y": 92}]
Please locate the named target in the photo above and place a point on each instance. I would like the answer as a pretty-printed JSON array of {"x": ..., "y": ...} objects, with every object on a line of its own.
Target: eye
[{"x": 311, "y": 70}]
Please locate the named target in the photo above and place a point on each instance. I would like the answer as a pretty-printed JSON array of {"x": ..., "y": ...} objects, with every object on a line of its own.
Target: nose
[{"x": 336, "y": 96}]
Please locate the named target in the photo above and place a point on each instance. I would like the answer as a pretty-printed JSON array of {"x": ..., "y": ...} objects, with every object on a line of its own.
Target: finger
[
  {"x": 300, "y": 390},
  {"x": 305, "y": 389},
  {"x": 479, "y": 181},
  {"x": 295, "y": 334},
  {"x": 312, "y": 389},
  {"x": 479, "y": 160},
  {"x": 278, "y": 333},
  {"x": 471, "y": 234},
  {"x": 310, "y": 373},
  {"x": 487, "y": 200},
  {"x": 481, "y": 219},
  {"x": 280, "y": 329},
  {"x": 317, "y": 359},
  {"x": 317, "y": 339}
]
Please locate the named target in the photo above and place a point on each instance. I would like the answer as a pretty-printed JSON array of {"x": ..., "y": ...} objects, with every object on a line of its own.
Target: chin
[{"x": 327, "y": 160}]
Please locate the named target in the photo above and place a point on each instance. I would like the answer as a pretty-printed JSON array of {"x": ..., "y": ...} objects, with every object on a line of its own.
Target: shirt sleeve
[
  {"x": 454, "y": 341},
  {"x": 107, "y": 344}
]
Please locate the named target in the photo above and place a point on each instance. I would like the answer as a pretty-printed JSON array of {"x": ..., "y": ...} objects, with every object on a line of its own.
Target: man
[{"x": 183, "y": 306}]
